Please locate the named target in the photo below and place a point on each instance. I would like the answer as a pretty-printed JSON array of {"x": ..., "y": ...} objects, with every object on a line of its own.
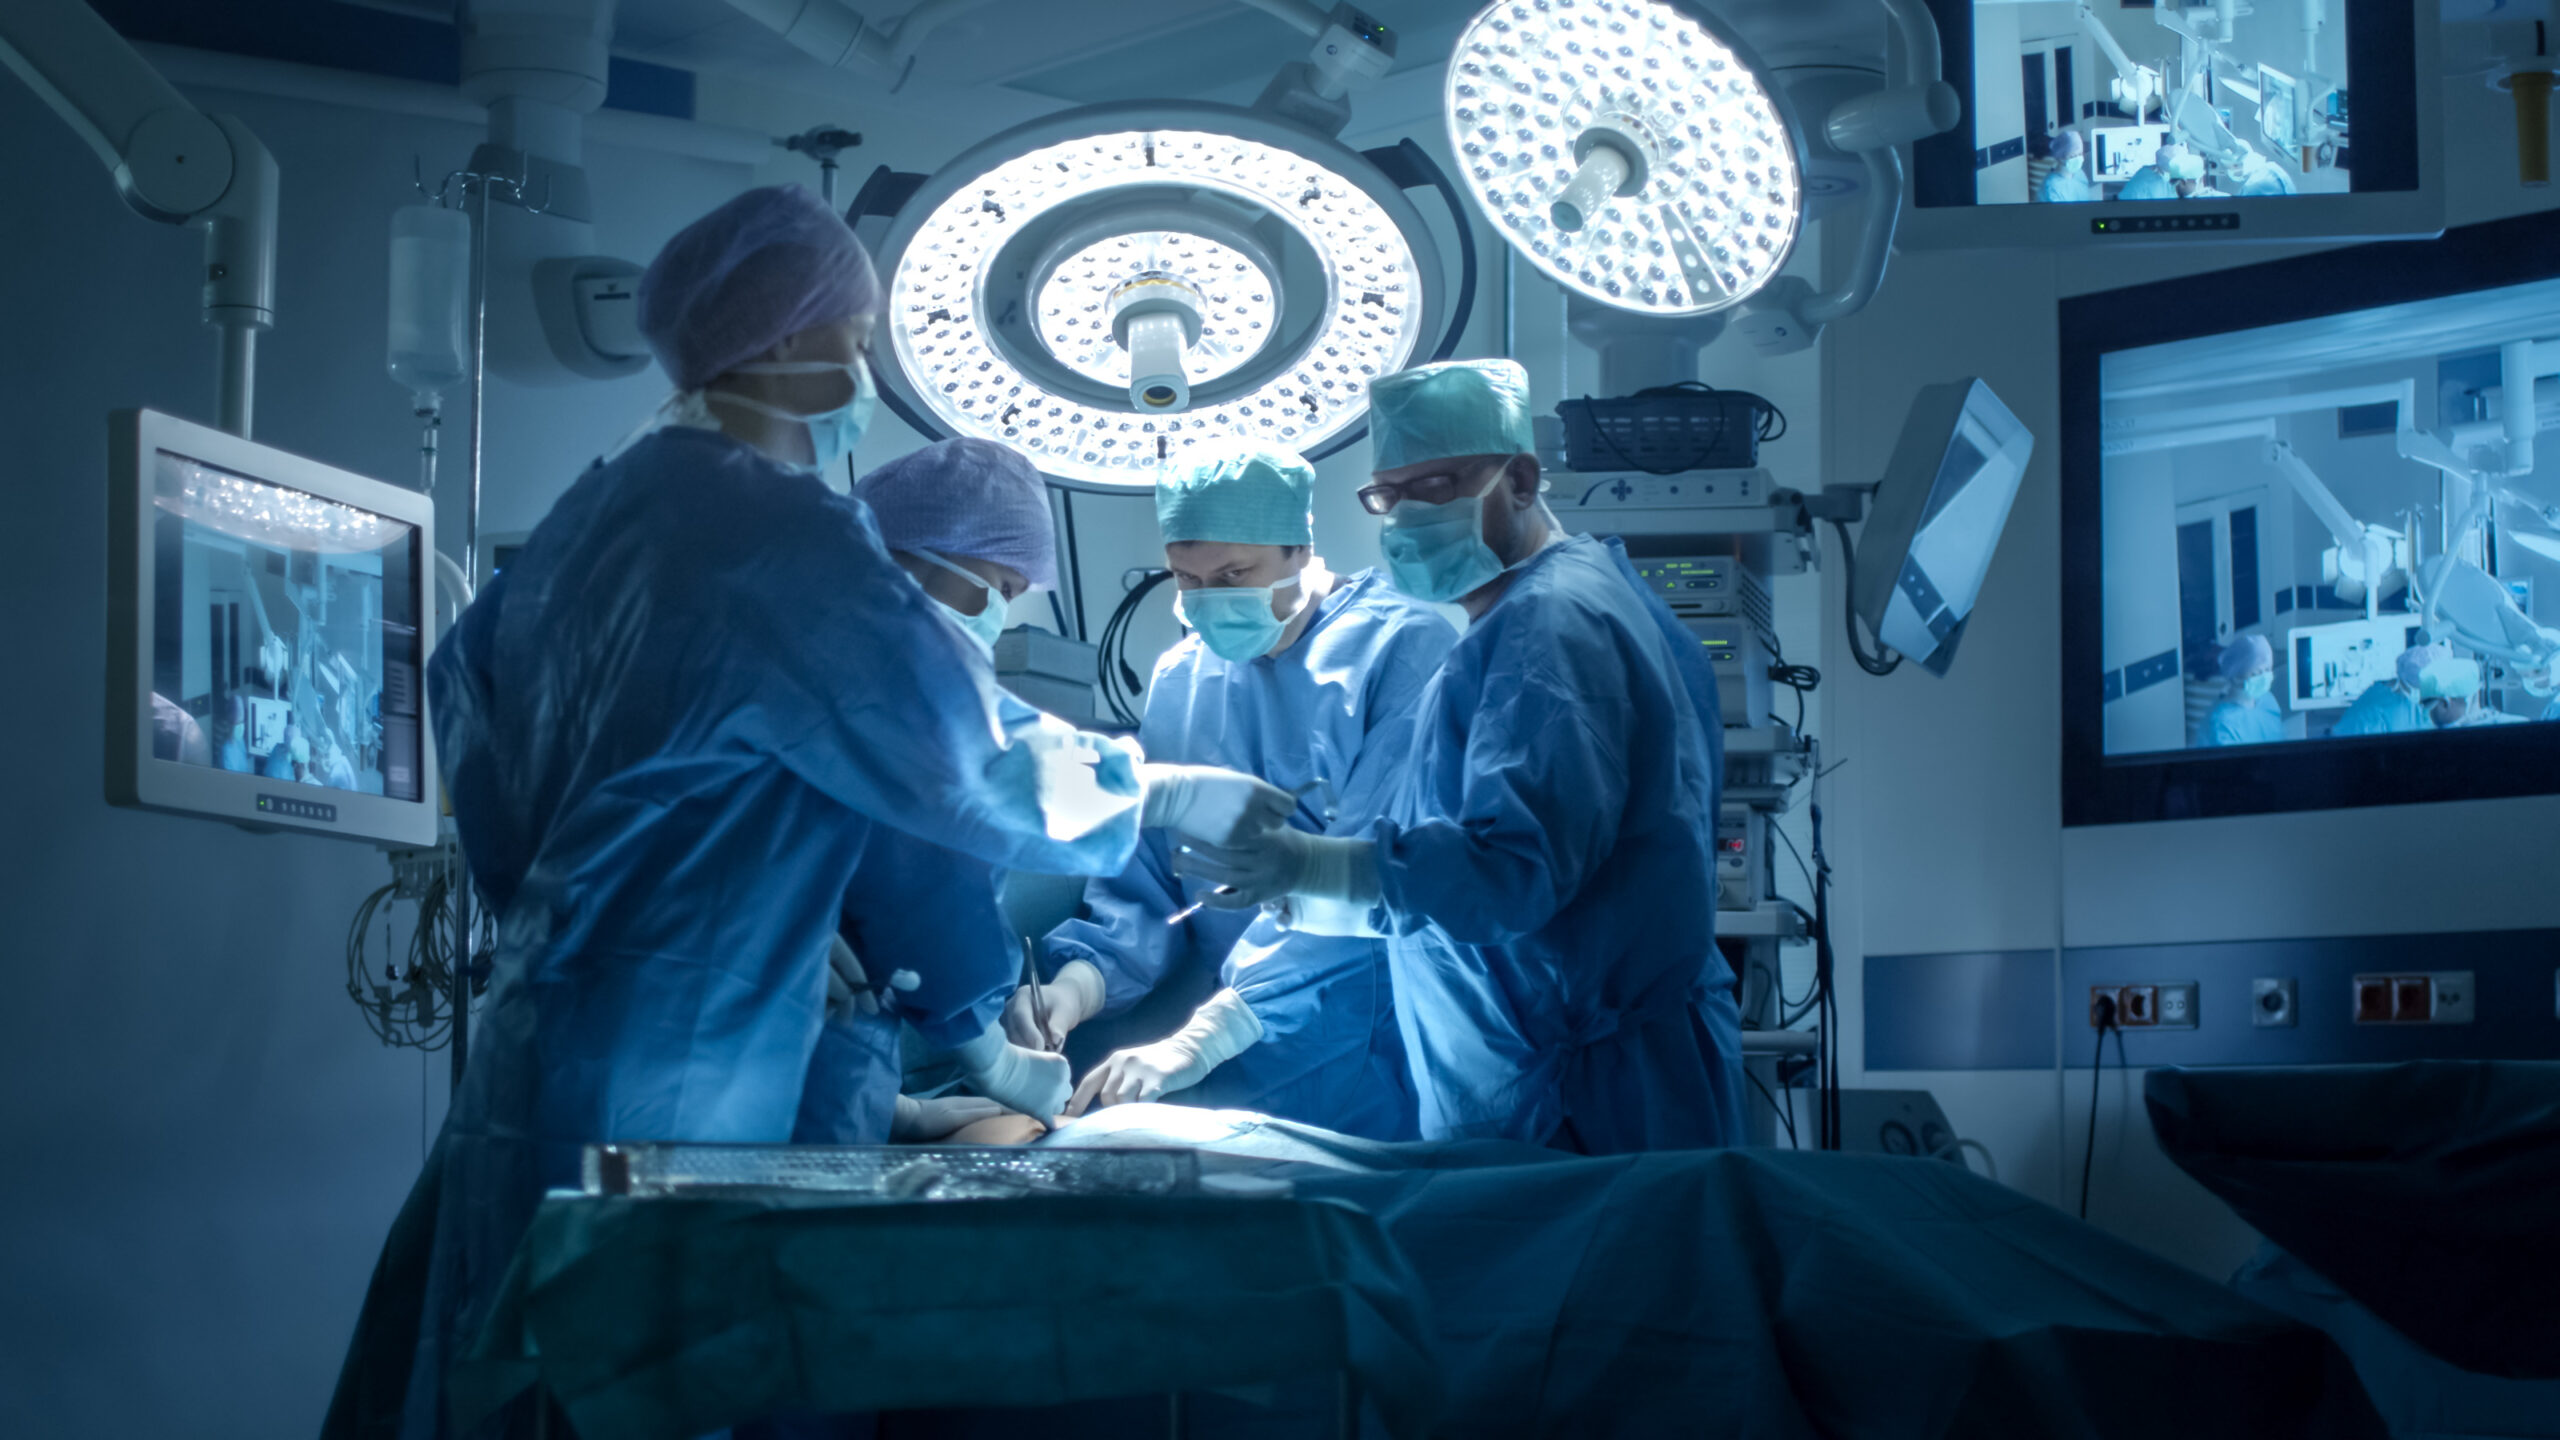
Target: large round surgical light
[
  {"x": 1627, "y": 150},
  {"x": 1111, "y": 290}
]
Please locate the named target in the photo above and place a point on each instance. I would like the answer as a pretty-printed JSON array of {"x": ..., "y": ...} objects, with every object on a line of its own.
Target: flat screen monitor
[
  {"x": 2108, "y": 122},
  {"x": 266, "y": 638},
  {"x": 2312, "y": 532}
]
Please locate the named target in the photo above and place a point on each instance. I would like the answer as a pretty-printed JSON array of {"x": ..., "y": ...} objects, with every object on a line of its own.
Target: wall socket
[
  {"x": 2427, "y": 997},
  {"x": 2157, "y": 1005},
  {"x": 2274, "y": 1003}
]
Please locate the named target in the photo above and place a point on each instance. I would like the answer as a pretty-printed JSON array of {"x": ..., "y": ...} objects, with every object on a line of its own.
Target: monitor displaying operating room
[{"x": 2334, "y": 529}]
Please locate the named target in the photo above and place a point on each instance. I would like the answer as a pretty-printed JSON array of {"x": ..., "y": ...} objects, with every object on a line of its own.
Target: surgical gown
[
  {"x": 2068, "y": 184},
  {"x": 1331, "y": 715},
  {"x": 2383, "y": 709},
  {"x": 675, "y": 732},
  {"x": 2148, "y": 184},
  {"x": 2236, "y": 722},
  {"x": 1548, "y": 874}
]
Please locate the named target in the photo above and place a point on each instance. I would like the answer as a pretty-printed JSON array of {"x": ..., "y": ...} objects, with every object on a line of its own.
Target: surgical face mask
[
  {"x": 982, "y": 627},
  {"x": 832, "y": 433},
  {"x": 1236, "y": 623},
  {"x": 1436, "y": 553},
  {"x": 2259, "y": 684}
]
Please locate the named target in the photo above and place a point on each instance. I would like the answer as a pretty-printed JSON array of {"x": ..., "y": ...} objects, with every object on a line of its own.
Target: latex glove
[
  {"x": 1220, "y": 1030},
  {"x": 1029, "y": 1081},
  {"x": 1073, "y": 996},
  {"x": 1282, "y": 863},
  {"x": 849, "y": 990},
  {"x": 920, "y": 1120},
  {"x": 1204, "y": 802}
]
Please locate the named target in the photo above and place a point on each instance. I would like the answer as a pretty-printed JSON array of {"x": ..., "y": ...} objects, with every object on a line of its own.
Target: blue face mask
[
  {"x": 983, "y": 627},
  {"x": 833, "y": 434},
  {"x": 1436, "y": 553},
  {"x": 1235, "y": 623},
  {"x": 2256, "y": 686}
]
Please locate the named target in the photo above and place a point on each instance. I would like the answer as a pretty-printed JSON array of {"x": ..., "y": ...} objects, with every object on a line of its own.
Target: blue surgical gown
[
  {"x": 2068, "y": 184},
  {"x": 2148, "y": 183},
  {"x": 2243, "y": 722},
  {"x": 699, "y": 707},
  {"x": 1549, "y": 880},
  {"x": 2383, "y": 709},
  {"x": 1333, "y": 715}
]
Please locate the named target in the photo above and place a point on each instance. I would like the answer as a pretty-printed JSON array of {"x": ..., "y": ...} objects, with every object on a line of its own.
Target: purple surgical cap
[
  {"x": 749, "y": 275},
  {"x": 2415, "y": 660},
  {"x": 966, "y": 499},
  {"x": 2246, "y": 654}
]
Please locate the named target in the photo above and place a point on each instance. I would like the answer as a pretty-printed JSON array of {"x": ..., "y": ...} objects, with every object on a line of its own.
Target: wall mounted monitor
[
  {"x": 266, "y": 637},
  {"x": 2311, "y": 529},
  {"x": 2111, "y": 122}
]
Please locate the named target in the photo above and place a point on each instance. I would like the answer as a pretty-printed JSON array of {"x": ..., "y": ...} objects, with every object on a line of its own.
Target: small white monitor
[
  {"x": 267, "y": 630},
  {"x": 1939, "y": 512}
]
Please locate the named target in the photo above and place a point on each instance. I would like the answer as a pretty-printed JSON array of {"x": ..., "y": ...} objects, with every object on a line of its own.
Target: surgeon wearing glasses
[
  {"x": 1544, "y": 866},
  {"x": 1311, "y": 681}
]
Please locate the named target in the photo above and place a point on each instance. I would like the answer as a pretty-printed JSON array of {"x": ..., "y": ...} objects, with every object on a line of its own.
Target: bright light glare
[
  {"x": 265, "y": 514},
  {"x": 1235, "y": 319},
  {"x": 1722, "y": 199},
  {"x": 1372, "y": 306}
]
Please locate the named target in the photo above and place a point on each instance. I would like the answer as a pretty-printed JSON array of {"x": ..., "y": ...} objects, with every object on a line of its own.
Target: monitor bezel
[
  {"x": 2329, "y": 774},
  {"x": 137, "y": 778},
  {"x": 2396, "y": 41}
]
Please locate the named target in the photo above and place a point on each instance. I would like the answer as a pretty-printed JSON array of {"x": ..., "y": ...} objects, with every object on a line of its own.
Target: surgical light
[
  {"x": 1628, "y": 150},
  {"x": 1112, "y": 289}
]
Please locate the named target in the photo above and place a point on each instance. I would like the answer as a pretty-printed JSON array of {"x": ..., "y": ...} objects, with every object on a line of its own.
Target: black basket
[{"x": 1667, "y": 430}]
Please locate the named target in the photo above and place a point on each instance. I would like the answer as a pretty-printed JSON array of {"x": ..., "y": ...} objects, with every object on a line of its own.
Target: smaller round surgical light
[{"x": 1627, "y": 150}]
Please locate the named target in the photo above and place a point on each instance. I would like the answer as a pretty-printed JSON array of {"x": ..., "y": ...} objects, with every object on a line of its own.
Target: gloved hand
[
  {"x": 849, "y": 989},
  {"x": 1033, "y": 1083},
  {"x": 1223, "y": 807},
  {"x": 1280, "y": 863},
  {"x": 1073, "y": 997},
  {"x": 917, "y": 1120},
  {"x": 1220, "y": 1030}
]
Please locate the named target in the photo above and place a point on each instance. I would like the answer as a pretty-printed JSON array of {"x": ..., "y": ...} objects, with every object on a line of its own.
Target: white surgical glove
[
  {"x": 1028, "y": 1081},
  {"x": 1204, "y": 802},
  {"x": 917, "y": 1121},
  {"x": 1220, "y": 1030},
  {"x": 1073, "y": 997},
  {"x": 1283, "y": 863},
  {"x": 849, "y": 989}
]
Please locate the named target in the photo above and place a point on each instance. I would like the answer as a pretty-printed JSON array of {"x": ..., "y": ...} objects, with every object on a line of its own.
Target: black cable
[
  {"x": 1827, "y": 1051},
  {"x": 1123, "y": 689},
  {"x": 2097, "y": 1071},
  {"x": 1876, "y": 664},
  {"x": 1785, "y": 1115}
]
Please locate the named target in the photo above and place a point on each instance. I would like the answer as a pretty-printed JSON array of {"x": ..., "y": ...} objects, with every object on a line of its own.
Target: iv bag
[{"x": 430, "y": 298}]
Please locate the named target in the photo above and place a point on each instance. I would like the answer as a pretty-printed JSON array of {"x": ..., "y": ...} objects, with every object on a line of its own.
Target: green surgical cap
[
  {"x": 1458, "y": 407},
  {"x": 1243, "y": 497}
]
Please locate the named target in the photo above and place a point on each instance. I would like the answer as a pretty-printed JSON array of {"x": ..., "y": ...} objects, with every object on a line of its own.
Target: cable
[
  {"x": 1785, "y": 1116},
  {"x": 1876, "y": 664},
  {"x": 1827, "y": 1026},
  {"x": 2097, "y": 1069},
  {"x": 1123, "y": 689}
]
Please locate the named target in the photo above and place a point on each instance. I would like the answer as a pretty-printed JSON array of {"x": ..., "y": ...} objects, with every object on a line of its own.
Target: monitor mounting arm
[{"x": 172, "y": 163}]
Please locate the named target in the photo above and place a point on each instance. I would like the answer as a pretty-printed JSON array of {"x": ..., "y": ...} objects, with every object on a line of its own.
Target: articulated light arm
[
  {"x": 2136, "y": 85},
  {"x": 172, "y": 163}
]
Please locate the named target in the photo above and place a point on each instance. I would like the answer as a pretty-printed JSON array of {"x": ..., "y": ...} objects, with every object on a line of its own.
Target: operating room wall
[
  {"x": 205, "y": 1143},
  {"x": 1944, "y": 820}
]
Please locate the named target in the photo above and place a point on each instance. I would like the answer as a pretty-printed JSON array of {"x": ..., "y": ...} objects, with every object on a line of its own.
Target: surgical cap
[
  {"x": 1457, "y": 407},
  {"x": 2064, "y": 144},
  {"x": 2246, "y": 654},
  {"x": 2449, "y": 678},
  {"x": 1242, "y": 497},
  {"x": 2415, "y": 660},
  {"x": 749, "y": 275},
  {"x": 966, "y": 499},
  {"x": 2180, "y": 163}
]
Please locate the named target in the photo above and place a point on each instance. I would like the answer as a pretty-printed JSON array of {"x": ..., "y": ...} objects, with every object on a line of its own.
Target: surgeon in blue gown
[
  {"x": 675, "y": 732},
  {"x": 2249, "y": 716},
  {"x": 1545, "y": 864},
  {"x": 1309, "y": 680},
  {"x": 2392, "y": 707},
  {"x": 2068, "y": 182}
]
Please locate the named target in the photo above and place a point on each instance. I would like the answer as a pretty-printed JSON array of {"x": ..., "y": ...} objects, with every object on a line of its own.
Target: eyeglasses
[{"x": 1435, "y": 489}]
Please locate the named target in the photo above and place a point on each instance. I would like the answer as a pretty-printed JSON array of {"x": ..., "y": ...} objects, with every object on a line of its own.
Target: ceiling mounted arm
[{"x": 172, "y": 163}]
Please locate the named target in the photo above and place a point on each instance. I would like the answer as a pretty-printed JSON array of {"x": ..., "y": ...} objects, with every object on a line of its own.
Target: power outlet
[
  {"x": 2274, "y": 1003},
  {"x": 2156, "y": 1005},
  {"x": 2428, "y": 997}
]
